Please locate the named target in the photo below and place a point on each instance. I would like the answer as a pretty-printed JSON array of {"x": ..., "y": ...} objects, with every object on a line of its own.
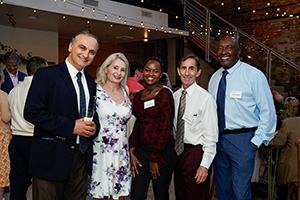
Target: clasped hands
[{"x": 84, "y": 128}]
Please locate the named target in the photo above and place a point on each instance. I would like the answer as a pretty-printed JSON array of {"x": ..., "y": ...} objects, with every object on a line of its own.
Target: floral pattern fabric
[
  {"x": 5, "y": 138},
  {"x": 111, "y": 176}
]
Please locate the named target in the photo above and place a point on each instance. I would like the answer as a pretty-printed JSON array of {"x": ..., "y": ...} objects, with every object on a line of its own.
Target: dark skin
[
  {"x": 228, "y": 54},
  {"x": 152, "y": 73}
]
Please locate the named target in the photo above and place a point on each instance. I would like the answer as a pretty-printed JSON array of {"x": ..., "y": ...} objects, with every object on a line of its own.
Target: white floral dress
[{"x": 111, "y": 174}]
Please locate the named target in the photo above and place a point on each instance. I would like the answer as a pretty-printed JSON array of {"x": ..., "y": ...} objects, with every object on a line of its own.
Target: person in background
[
  {"x": 22, "y": 133},
  {"x": 111, "y": 177},
  {"x": 12, "y": 76},
  {"x": 62, "y": 150},
  {"x": 287, "y": 164},
  {"x": 196, "y": 131},
  {"x": 291, "y": 104},
  {"x": 151, "y": 143},
  {"x": 4, "y": 139},
  {"x": 246, "y": 116},
  {"x": 136, "y": 75}
]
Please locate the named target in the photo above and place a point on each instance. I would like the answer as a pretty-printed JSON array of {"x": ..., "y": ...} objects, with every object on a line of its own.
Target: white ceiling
[{"x": 48, "y": 21}]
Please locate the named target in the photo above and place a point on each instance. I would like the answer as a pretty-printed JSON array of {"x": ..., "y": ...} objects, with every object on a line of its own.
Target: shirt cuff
[
  {"x": 257, "y": 141},
  {"x": 206, "y": 162}
]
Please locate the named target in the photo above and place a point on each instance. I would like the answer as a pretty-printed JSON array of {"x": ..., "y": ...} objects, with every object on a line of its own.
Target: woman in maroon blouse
[{"x": 151, "y": 142}]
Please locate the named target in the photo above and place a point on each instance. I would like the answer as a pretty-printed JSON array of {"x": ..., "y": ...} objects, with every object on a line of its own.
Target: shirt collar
[
  {"x": 72, "y": 70},
  {"x": 12, "y": 75},
  {"x": 233, "y": 68},
  {"x": 190, "y": 89}
]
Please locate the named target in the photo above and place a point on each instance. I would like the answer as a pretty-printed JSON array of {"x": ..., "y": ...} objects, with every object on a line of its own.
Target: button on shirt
[
  {"x": 248, "y": 101},
  {"x": 73, "y": 73},
  {"x": 201, "y": 122},
  {"x": 14, "y": 78}
]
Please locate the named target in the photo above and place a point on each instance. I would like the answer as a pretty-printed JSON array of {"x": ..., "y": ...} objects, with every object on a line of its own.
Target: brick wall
[{"x": 281, "y": 33}]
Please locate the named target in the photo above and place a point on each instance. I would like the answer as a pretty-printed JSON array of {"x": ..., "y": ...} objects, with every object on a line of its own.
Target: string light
[
  {"x": 253, "y": 11},
  {"x": 268, "y": 4},
  {"x": 239, "y": 8},
  {"x": 149, "y": 26},
  {"x": 278, "y": 9},
  {"x": 130, "y": 28},
  {"x": 1, "y": 2},
  {"x": 222, "y": 4}
]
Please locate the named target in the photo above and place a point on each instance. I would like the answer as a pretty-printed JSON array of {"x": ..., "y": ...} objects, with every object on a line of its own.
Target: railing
[{"x": 207, "y": 28}]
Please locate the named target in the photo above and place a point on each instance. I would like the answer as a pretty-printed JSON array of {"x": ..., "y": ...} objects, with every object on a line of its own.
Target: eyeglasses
[{"x": 288, "y": 99}]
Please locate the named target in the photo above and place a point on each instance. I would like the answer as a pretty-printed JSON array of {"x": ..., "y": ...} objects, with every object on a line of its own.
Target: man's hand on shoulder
[
  {"x": 84, "y": 128},
  {"x": 201, "y": 175}
]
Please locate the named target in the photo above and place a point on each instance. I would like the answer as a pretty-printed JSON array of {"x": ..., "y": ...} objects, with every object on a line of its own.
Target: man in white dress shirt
[{"x": 197, "y": 148}]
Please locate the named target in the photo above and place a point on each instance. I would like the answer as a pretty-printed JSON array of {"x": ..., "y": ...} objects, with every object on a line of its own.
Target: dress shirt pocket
[{"x": 193, "y": 120}]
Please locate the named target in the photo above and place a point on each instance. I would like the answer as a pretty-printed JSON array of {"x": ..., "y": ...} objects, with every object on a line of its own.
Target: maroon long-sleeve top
[{"x": 154, "y": 125}]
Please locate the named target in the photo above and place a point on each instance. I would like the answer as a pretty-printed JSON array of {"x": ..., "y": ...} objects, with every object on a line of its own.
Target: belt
[
  {"x": 23, "y": 137},
  {"x": 190, "y": 145},
  {"x": 241, "y": 130}
]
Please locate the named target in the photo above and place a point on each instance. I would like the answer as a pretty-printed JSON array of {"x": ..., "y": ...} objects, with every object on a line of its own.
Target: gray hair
[{"x": 12, "y": 57}]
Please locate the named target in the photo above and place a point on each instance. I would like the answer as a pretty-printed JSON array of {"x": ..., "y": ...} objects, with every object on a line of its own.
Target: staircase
[{"x": 207, "y": 28}]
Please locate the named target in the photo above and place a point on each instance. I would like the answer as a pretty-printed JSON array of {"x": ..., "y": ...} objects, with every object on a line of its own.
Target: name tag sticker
[
  {"x": 149, "y": 104},
  {"x": 235, "y": 94},
  {"x": 187, "y": 118}
]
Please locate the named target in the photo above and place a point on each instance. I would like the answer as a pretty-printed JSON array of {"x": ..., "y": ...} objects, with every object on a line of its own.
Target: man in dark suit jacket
[
  {"x": 11, "y": 73},
  {"x": 57, "y": 163}
]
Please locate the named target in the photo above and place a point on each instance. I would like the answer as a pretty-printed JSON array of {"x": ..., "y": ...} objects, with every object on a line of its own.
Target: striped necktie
[{"x": 179, "y": 143}]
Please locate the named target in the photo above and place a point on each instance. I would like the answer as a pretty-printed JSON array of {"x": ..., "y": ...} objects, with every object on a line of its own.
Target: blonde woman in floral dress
[
  {"x": 5, "y": 137},
  {"x": 111, "y": 176}
]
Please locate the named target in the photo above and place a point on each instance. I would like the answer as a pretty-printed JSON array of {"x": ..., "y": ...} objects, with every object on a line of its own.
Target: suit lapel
[
  {"x": 90, "y": 84},
  {"x": 8, "y": 79},
  {"x": 68, "y": 82}
]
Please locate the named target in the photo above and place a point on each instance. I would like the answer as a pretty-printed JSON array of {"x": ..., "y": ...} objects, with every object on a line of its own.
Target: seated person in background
[
  {"x": 291, "y": 104},
  {"x": 287, "y": 164},
  {"x": 136, "y": 75},
  {"x": 12, "y": 76}
]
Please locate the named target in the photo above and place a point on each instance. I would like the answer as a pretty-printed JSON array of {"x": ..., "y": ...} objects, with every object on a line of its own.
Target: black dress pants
[
  {"x": 140, "y": 183},
  {"x": 20, "y": 178}
]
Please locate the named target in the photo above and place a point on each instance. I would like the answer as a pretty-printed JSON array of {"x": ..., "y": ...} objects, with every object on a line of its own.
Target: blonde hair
[{"x": 101, "y": 75}]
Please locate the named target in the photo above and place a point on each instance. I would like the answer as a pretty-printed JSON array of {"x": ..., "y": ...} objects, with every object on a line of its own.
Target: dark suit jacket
[
  {"x": 8, "y": 85},
  {"x": 52, "y": 107}
]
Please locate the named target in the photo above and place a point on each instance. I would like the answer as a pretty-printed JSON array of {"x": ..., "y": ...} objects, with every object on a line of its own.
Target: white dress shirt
[
  {"x": 201, "y": 121},
  {"x": 16, "y": 100},
  {"x": 73, "y": 73}
]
